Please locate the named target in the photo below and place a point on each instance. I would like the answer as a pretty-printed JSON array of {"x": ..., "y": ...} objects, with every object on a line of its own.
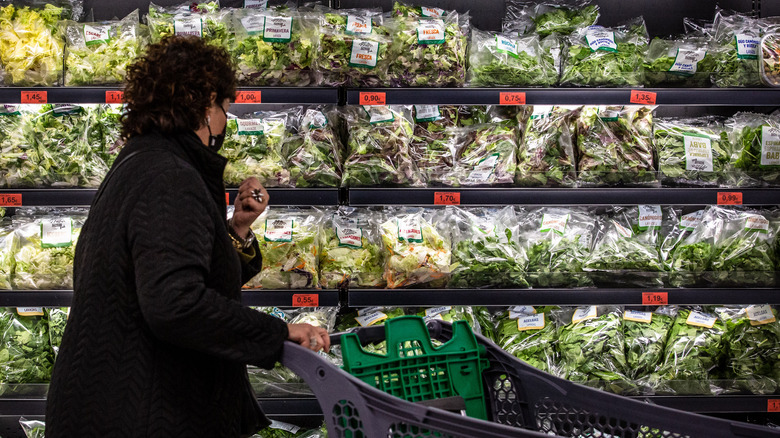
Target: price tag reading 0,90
[
  {"x": 643, "y": 97},
  {"x": 35, "y": 97},
  {"x": 249, "y": 97},
  {"x": 511, "y": 99},
  {"x": 446, "y": 198},
  {"x": 372, "y": 98},
  {"x": 729, "y": 198},
  {"x": 305, "y": 300},
  {"x": 655, "y": 298},
  {"x": 10, "y": 199},
  {"x": 115, "y": 96}
]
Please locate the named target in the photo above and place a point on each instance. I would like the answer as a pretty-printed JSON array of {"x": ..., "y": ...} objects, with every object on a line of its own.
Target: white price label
[
  {"x": 277, "y": 29},
  {"x": 691, "y": 221},
  {"x": 278, "y": 230},
  {"x": 650, "y": 216},
  {"x": 554, "y": 222},
  {"x": 364, "y": 53},
  {"x": 747, "y": 46},
  {"x": 379, "y": 114},
  {"x": 359, "y": 24},
  {"x": 188, "y": 27},
  {"x": 94, "y": 35},
  {"x": 698, "y": 153},
  {"x": 409, "y": 230},
  {"x": 426, "y": 113},
  {"x": 430, "y": 32},
  {"x": 760, "y": 315},
  {"x": 256, "y": 4},
  {"x": 250, "y": 126},
  {"x": 600, "y": 38},
  {"x": 505, "y": 45},
  {"x": 437, "y": 311},
  {"x": 370, "y": 319},
  {"x": 637, "y": 316},
  {"x": 533, "y": 322},
  {"x": 770, "y": 146},
  {"x": 253, "y": 24},
  {"x": 542, "y": 111},
  {"x": 56, "y": 233},
  {"x": 584, "y": 314},
  {"x": 687, "y": 60},
  {"x": 350, "y": 237},
  {"x": 699, "y": 319}
]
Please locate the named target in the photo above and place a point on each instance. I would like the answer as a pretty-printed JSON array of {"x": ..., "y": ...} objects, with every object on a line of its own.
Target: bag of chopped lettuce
[
  {"x": 25, "y": 351},
  {"x": 679, "y": 62},
  {"x": 645, "y": 332},
  {"x": 315, "y": 152},
  {"x": 351, "y": 252},
  {"x": 201, "y": 19},
  {"x": 505, "y": 60},
  {"x": 692, "y": 152},
  {"x": 484, "y": 155},
  {"x": 431, "y": 145}
]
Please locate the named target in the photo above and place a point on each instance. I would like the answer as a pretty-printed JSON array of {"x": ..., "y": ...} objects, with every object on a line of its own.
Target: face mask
[{"x": 215, "y": 141}]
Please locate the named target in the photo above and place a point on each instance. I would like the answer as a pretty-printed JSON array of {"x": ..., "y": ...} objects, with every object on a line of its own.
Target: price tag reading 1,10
[
  {"x": 773, "y": 405},
  {"x": 643, "y": 97},
  {"x": 249, "y": 97},
  {"x": 305, "y": 300},
  {"x": 655, "y": 298},
  {"x": 511, "y": 98},
  {"x": 10, "y": 199},
  {"x": 372, "y": 98},
  {"x": 729, "y": 198},
  {"x": 115, "y": 96},
  {"x": 446, "y": 198},
  {"x": 35, "y": 97}
]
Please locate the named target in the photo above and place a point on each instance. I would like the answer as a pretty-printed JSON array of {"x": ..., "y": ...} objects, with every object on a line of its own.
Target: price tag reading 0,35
[
  {"x": 655, "y": 298},
  {"x": 511, "y": 98},
  {"x": 249, "y": 97},
  {"x": 729, "y": 198},
  {"x": 10, "y": 199},
  {"x": 643, "y": 97},
  {"x": 305, "y": 300},
  {"x": 367, "y": 98},
  {"x": 446, "y": 198},
  {"x": 37, "y": 96}
]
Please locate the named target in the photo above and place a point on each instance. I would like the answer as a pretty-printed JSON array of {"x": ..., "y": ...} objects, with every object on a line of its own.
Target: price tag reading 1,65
[
  {"x": 773, "y": 405},
  {"x": 655, "y": 298},
  {"x": 642, "y": 97},
  {"x": 305, "y": 300},
  {"x": 115, "y": 96},
  {"x": 35, "y": 97},
  {"x": 10, "y": 199},
  {"x": 367, "y": 98},
  {"x": 249, "y": 97},
  {"x": 446, "y": 198},
  {"x": 729, "y": 198},
  {"x": 511, "y": 98}
]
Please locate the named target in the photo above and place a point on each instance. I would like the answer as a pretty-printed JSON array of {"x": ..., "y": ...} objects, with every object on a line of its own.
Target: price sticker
[
  {"x": 372, "y": 98},
  {"x": 643, "y": 97},
  {"x": 446, "y": 198},
  {"x": 35, "y": 97},
  {"x": 655, "y": 298},
  {"x": 729, "y": 198},
  {"x": 10, "y": 199},
  {"x": 305, "y": 300},
  {"x": 227, "y": 198},
  {"x": 115, "y": 96},
  {"x": 773, "y": 405},
  {"x": 249, "y": 97},
  {"x": 511, "y": 98}
]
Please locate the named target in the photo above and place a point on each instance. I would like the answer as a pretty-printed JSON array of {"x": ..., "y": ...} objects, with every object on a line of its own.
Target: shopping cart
[{"x": 520, "y": 400}]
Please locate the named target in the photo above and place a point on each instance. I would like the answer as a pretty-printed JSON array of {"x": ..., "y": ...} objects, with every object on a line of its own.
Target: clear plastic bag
[
  {"x": 33, "y": 428},
  {"x": 505, "y": 60},
  {"x": 682, "y": 62},
  {"x": 546, "y": 154},
  {"x": 204, "y": 20},
  {"x": 451, "y": 314},
  {"x": 351, "y": 249},
  {"x": 315, "y": 152},
  {"x": 693, "y": 152},
  {"x": 549, "y": 16},
  {"x": 431, "y": 142},
  {"x": 682, "y": 223},
  {"x": 17, "y": 148},
  {"x": 530, "y": 335},
  {"x": 756, "y": 148},
  {"x": 484, "y": 155},
  {"x": 737, "y": 38},
  {"x": 26, "y": 355},
  {"x": 769, "y": 65},
  {"x": 56, "y": 317},
  {"x": 645, "y": 331}
]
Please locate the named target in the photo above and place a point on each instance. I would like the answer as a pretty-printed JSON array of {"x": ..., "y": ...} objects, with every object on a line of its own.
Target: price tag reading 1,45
[
  {"x": 249, "y": 97},
  {"x": 773, "y": 405},
  {"x": 511, "y": 98},
  {"x": 643, "y": 97},
  {"x": 372, "y": 98},
  {"x": 446, "y": 198},
  {"x": 655, "y": 298},
  {"x": 305, "y": 300},
  {"x": 10, "y": 199},
  {"x": 35, "y": 97},
  {"x": 115, "y": 96},
  {"x": 729, "y": 198}
]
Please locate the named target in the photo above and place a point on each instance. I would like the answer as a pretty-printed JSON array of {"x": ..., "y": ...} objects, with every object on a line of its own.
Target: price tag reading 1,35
[
  {"x": 249, "y": 97},
  {"x": 35, "y": 97},
  {"x": 10, "y": 199},
  {"x": 446, "y": 198},
  {"x": 773, "y": 405},
  {"x": 655, "y": 298},
  {"x": 367, "y": 98},
  {"x": 511, "y": 98},
  {"x": 305, "y": 300},
  {"x": 643, "y": 97},
  {"x": 115, "y": 96},
  {"x": 729, "y": 198}
]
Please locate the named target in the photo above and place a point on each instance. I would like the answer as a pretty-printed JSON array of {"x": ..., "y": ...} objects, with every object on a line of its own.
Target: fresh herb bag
[
  {"x": 546, "y": 153},
  {"x": 254, "y": 146},
  {"x": 26, "y": 355},
  {"x": 315, "y": 152},
  {"x": 684, "y": 62},
  {"x": 737, "y": 38},
  {"x": 530, "y": 335},
  {"x": 645, "y": 334},
  {"x": 497, "y": 59},
  {"x": 756, "y": 148},
  {"x": 681, "y": 224},
  {"x": 693, "y": 152},
  {"x": 351, "y": 249}
]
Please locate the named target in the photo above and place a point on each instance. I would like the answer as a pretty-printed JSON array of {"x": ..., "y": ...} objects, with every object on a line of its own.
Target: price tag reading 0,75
[
  {"x": 511, "y": 98},
  {"x": 305, "y": 300},
  {"x": 10, "y": 199}
]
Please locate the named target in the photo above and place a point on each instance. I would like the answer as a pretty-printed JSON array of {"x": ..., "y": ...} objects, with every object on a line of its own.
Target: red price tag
[
  {"x": 10, "y": 199},
  {"x": 305, "y": 300},
  {"x": 249, "y": 97},
  {"x": 446, "y": 198},
  {"x": 372, "y": 98},
  {"x": 35, "y": 97},
  {"x": 227, "y": 198},
  {"x": 773, "y": 405},
  {"x": 115, "y": 96},
  {"x": 511, "y": 98},
  {"x": 643, "y": 97},
  {"x": 729, "y": 198},
  {"x": 655, "y": 298}
]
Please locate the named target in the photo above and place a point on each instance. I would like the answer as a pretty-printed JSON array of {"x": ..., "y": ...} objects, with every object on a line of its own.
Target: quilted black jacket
[{"x": 157, "y": 340}]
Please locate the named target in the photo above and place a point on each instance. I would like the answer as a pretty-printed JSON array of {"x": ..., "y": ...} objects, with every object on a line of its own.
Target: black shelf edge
[
  {"x": 713, "y": 404},
  {"x": 83, "y": 197},
  {"x": 86, "y": 95},
  {"x": 554, "y": 196},
  {"x": 574, "y": 96},
  {"x": 596, "y": 296},
  {"x": 284, "y": 298},
  {"x": 290, "y": 407}
]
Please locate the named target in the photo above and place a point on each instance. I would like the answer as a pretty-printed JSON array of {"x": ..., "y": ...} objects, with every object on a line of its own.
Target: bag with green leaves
[
  {"x": 274, "y": 47},
  {"x": 451, "y": 314},
  {"x": 756, "y": 148},
  {"x": 645, "y": 332},
  {"x": 693, "y": 152},
  {"x": 99, "y": 53},
  {"x": 378, "y": 151},
  {"x": 484, "y": 155},
  {"x": 18, "y": 153},
  {"x": 487, "y": 251},
  {"x": 25, "y": 355},
  {"x": 9, "y": 244},
  {"x": 546, "y": 154},
  {"x": 737, "y": 38},
  {"x": 254, "y": 146},
  {"x": 289, "y": 241},
  {"x": 683, "y": 221},
  {"x": 557, "y": 242},
  {"x": 606, "y": 57},
  {"x": 432, "y": 142},
  {"x": 204, "y": 20},
  {"x": 615, "y": 146},
  {"x": 417, "y": 247},
  {"x": 56, "y": 317},
  {"x": 314, "y": 152},
  {"x": 530, "y": 335},
  {"x": 504, "y": 60},
  {"x": 351, "y": 252},
  {"x": 33, "y": 428},
  {"x": 679, "y": 62},
  {"x": 753, "y": 341},
  {"x": 546, "y": 17}
]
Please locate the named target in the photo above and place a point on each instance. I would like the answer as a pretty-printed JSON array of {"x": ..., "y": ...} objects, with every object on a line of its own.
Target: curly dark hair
[{"x": 169, "y": 88}]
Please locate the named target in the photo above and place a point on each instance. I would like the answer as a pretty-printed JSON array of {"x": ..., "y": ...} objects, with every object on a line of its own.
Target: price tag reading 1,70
[
  {"x": 10, "y": 199},
  {"x": 34, "y": 97},
  {"x": 305, "y": 300},
  {"x": 773, "y": 405},
  {"x": 642, "y": 97},
  {"x": 367, "y": 98},
  {"x": 446, "y": 198},
  {"x": 511, "y": 98},
  {"x": 249, "y": 97},
  {"x": 729, "y": 198},
  {"x": 115, "y": 96},
  {"x": 655, "y": 298}
]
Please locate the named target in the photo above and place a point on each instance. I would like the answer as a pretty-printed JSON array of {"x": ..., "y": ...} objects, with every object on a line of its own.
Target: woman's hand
[
  {"x": 313, "y": 338},
  {"x": 247, "y": 208}
]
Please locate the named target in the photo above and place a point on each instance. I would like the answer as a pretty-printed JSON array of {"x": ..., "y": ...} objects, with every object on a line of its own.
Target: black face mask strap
[{"x": 215, "y": 139}]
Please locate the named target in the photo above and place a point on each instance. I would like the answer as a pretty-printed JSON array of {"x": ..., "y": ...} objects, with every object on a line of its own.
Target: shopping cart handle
[
  {"x": 452, "y": 404},
  {"x": 366, "y": 335}
]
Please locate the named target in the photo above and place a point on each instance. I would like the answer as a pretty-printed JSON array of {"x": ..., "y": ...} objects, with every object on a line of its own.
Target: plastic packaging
[
  {"x": 484, "y": 155},
  {"x": 26, "y": 354},
  {"x": 680, "y": 62},
  {"x": 530, "y": 335},
  {"x": 737, "y": 41},
  {"x": 693, "y": 152},
  {"x": 204, "y": 20},
  {"x": 315, "y": 153},
  {"x": 432, "y": 140},
  {"x": 645, "y": 332},
  {"x": 9, "y": 244},
  {"x": 756, "y": 148},
  {"x": 33, "y": 428},
  {"x": 451, "y": 314},
  {"x": 351, "y": 249},
  {"x": 546, "y": 154},
  {"x": 504, "y": 60},
  {"x": 546, "y": 17},
  {"x": 56, "y": 317},
  {"x": 769, "y": 66},
  {"x": 683, "y": 222}
]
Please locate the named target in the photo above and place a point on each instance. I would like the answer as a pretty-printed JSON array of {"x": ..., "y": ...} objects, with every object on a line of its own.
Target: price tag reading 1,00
[
  {"x": 249, "y": 97},
  {"x": 729, "y": 198},
  {"x": 372, "y": 98},
  {"x": 511, "y": 98},
  {"x": 446, "y": 198},
  {"x": 10, "y": 199},
  {"x": 305, "y": 300},
  {"x": 655, "y": 298}
]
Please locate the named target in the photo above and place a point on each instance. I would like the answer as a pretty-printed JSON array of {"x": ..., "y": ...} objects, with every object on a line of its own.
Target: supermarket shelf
[
  {"x": 553, "y": 196},
  {"x": 512, "y": 297},
  {"x": 83, "y": 197},
  {"x": 574, "y": 96},
  {"x": 255, "y": 297},
  {"x": 716, "y": 404},
  {"x": 272, "y": 95}
]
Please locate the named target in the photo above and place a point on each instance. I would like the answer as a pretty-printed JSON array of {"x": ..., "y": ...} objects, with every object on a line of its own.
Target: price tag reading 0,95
[
  {"x": 305, "y": 300},
  {"x": 511, "y": 98},
  {"x": 655, "y": 298},
  {"x": 367, "y": 98},
  {"x": 729, "y": 198},
  {"x": 249, "y": 97},
  {"x": 446, "y": 198},
  {"x": 10, "y": 199}
]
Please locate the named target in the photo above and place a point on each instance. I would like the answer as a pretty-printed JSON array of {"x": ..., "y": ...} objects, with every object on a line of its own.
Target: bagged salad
[
  {"x": 33, "y": 428},
  {"x": 289, "y": 241},
  {"x": 611, "y": 57},
  {"x": 679, "y": 62},
  {"x": 692, "y": 152},
  {"x": 615, "y": 146},
  {"x": 683, "y": 222},
  {"x": 274, "y": 47},
  {"x": 429, "y": 47},
  {"x": 756, "y": 148},
  {"x": 351, "y": 249},
  {"x": 417, "y": 248},
  {"x": 25, "y": 352},
  {"x": 487, "y": 251},
  {"x": 201, "y": 19},
  {"x": 9, "y": 244},
  {"x": 99, "y": 53},
  {"x": 56, "y": 317},
  {"x": 497, "y": 59},
  {"x": 557, "y": 242},
  {"x": 378, "y": 147},
  {"x": 737, "y": 38},
  {"x": 549, "y": 16},
  {"x": 451, "y": 314},
  {"x": 314, "y": 153},
  {"x": 546, "y": 153},
  {"x": 254, "y": 146},
  {"x": 18, "y": 152},
  {"x": 485, "y": 154},
  {"x": 530, "y": 334},
  {"x": 645, "y": 331},
  {"x": 432, "y": 140}
]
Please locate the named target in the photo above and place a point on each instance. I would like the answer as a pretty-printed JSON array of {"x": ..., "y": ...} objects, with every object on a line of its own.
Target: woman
[{"x": 157, "y": 340}]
